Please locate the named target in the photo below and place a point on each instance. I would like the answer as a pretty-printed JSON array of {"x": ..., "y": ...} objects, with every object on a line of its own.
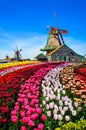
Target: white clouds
[
  {"x": 5, "y": 52},
  {"x": 30, "y": 46},
  {"x": 31, "y": 52}
]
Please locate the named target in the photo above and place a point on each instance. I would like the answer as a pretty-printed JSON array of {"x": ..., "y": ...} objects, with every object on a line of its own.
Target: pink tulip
[
  {"x": 36, "y": 105},
  {"x": 25, "y": 120},
  {"x": 28, "y": 113},
  {"x": 43, "y": 117},
  {"x": 22, "y": 113},
  {"x": 14, "y": 119},
  {"x": 14, "y": 112},
  {"x": 36, "y": 128},
  {"x": 34, "y": 116},
  {"x": 27, "y": 107},
  {"x": 39, "y": 110},
  {"x": 32, "y": 103},
  {"x": 31, "y": 123},
  {"x": 16, "y": 108},
  {"x": 41, "y": 126},
  {"x": 21, "y": 100},
  {"x": 23, "y": 128},
  {"x": 32, "y": 110},
  {"x": 17, "y": 103},
  {"x": 25, "y": 102}
]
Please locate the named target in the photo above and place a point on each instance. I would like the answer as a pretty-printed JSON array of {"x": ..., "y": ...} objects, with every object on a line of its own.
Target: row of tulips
[
  {"x": 9, "y": 73},
  {"x": 27, "y": 104},
  {"x": 11, "y": 64},
  {"x": 73, "y": 84},
  {"x": 56, "y": 104},
  {"x": 14, "y": 68},
  {"x": 81, "y": 74},
  {"x": 10, "y": 87}
]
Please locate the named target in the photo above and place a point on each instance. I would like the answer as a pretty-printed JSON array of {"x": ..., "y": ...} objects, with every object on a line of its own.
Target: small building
[
  {"x": 57, "y": 50},
  {"x": 41, "y": 57}
]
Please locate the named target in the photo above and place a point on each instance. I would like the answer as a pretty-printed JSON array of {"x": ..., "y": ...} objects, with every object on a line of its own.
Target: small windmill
[{"x": 17, "y": 55}]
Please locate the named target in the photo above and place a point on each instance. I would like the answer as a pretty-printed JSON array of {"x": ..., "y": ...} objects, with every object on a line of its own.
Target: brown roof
[{"x": 54, "y": 50}]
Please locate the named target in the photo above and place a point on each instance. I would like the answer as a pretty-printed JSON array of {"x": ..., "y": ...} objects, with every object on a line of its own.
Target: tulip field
[{"x": 42, "y": 96}]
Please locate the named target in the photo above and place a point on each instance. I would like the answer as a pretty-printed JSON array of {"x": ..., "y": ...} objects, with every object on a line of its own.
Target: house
[{"x": 41, "y": 57}]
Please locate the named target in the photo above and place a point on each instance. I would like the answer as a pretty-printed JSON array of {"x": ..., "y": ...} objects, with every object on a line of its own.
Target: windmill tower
[
  {"x": 17, "y": 54},
  {"x": 55, "y": 39}
]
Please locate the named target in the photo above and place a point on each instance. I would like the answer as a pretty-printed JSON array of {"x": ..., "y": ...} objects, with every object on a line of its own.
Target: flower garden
[{"x": 42, "y": 96}]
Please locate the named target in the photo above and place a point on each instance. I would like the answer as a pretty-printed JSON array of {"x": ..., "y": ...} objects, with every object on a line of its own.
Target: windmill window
[
  {"x": 71, "y": 53},
  {"x": 65, "y": 53}
]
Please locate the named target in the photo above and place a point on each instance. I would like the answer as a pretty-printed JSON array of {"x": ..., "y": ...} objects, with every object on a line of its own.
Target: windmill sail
[{"x": 64, "y": 31}]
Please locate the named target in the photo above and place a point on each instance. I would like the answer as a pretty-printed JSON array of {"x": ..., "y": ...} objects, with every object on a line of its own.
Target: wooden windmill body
[{"x": 55, "y": 39}]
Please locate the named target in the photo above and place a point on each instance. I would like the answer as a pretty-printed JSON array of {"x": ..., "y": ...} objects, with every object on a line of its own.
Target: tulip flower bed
[
  {"x": 75, "y": 87},
  {"x": 12, "y": 69},
  {"x": 43, "y": 96},
  {"x": 73, "y": 83},
  {"x": 11, "y": 64},
  {"x": 56, "y": 103},
  {"x": 10, "y": 86},
  {"x": 27, "y": 105}
]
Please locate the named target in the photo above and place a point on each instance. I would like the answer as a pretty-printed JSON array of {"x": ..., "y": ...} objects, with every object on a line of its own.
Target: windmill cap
[{"x": 53, "y": 28}]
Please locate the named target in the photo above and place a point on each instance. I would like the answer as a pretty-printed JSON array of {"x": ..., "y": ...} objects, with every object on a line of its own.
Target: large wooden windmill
[{"x": 55, "y": 39}]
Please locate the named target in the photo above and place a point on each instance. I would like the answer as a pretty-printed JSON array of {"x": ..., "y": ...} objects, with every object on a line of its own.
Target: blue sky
[{"x": 23, "y": 24}]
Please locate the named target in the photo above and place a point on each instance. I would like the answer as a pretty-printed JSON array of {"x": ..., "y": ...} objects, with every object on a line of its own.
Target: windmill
[
  {"x": 17, "y": 54},
  {"x": 55, "y": 38}
]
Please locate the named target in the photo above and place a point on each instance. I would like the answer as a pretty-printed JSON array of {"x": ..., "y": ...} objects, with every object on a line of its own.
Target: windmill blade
[
  {"x": 20, "y": 50},
  {"x": 55, "y": 19},
  {"x": 16, "y": 48},
  {"x": 53, "y": 28},
  {"x": 20, "y": 55},
  {"x": 63, "y": 31}
]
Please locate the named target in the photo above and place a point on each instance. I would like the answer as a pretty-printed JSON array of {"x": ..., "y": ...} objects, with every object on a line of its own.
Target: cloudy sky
[{"x": 23, "y": 24}]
